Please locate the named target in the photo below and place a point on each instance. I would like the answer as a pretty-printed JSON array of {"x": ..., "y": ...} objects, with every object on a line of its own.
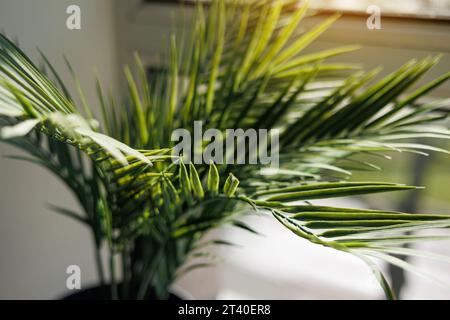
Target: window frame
[{"x": 346, "y": 12}]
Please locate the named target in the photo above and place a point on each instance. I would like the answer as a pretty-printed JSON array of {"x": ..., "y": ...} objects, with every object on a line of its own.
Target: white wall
[{"x": 37, "y": 245}]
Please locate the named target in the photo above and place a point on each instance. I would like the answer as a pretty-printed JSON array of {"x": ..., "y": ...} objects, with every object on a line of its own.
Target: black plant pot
[{"x": 104, "y": 293}]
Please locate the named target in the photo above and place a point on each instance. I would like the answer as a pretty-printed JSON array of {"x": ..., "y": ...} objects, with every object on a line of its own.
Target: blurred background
[{"x": 37, "y": 245}]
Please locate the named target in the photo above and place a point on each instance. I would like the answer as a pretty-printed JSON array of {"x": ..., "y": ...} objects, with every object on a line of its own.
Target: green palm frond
[{"x": 152, "y": 209}]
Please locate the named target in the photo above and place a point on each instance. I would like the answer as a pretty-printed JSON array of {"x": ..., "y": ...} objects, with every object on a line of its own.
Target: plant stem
[
  {"x": 114, "y": 293},
  {"x": 149, "y": 277},
  {"x": 99, "y": 263},
  {"x": 126, "y": 272}
]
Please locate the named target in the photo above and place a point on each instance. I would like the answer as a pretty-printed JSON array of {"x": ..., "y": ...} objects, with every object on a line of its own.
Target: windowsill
[{"x": 405, "y": 33}]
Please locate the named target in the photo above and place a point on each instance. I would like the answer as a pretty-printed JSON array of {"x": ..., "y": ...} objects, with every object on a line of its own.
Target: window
[{"x": 429, "y": 9}]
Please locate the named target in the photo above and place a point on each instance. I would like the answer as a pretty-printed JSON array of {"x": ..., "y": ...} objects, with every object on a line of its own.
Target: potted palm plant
[{"x": 240, "y": 67}]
